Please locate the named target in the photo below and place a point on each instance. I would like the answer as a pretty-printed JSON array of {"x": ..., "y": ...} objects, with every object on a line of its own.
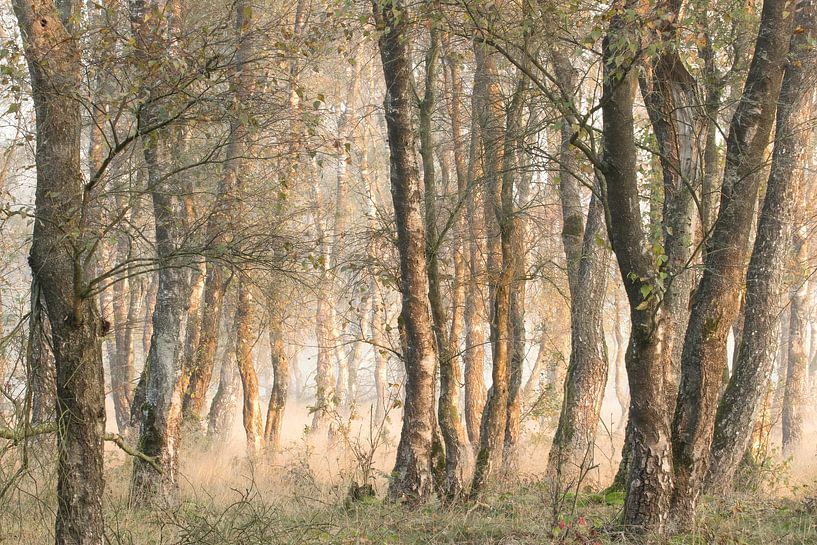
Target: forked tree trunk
[
  {"x": 749, "y": 385},
  {"x": 716, "y": 301},
  {"x": 412, "y": 478},
  {"x": 56, "y": 258},
  {"x": 678, "y": 121}
]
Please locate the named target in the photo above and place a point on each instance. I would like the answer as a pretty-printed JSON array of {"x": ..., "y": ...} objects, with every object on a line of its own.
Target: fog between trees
[{"x": 443, "y": 250}]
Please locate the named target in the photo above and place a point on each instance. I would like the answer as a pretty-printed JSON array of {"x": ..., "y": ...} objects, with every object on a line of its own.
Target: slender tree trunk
[
  {"x": 57, "y": 261},
  {"x": 795, "y": 391},
  {"x": 245, "y": 340},
  {"x": 203, "y": 358},
  {"x": 716, "y": 300},
  {"x": 223, "y": 219},
  {"x": 473, "y": 358},
  {"x": 380, "y": 359},
  {"x": 222, "y": 410},
  {"x": 147, "y": 330},
  {"x": 572, "y": 452},
  {"x": 121, "y": 362},
  {"x": 519, "y": 183},
  {"x": 498, "y": 203},
  {"x": 195, "y": 316},
  {"x": 354, "y": 356},
  {"x": 539, "y": 370},
  {"x": 453, "y": 433},
  {"x": 812, "y": 361},
  {"x": 159, "y": 433},
  {"x": 622, "y": 390},
  {"x": 280, "y": 385},
  {"x": 324, "y": 377},
  {"x": 412, "y": 472}
]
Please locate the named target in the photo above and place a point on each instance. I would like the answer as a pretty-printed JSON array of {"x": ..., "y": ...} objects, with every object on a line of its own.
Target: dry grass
[{"x": 301, "y": 498}]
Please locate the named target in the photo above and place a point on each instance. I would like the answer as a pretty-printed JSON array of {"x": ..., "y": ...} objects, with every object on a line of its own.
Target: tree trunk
[
  {"x": 121, "y": 364},
  {"x": 280, "y": 385},
  {"x": 649, "y": 482},
  {"x": 245, "y": 340},
  {"x": 192, "y": 328},
  {"x": 795, "y": 393},
  {"x": 671, "y": 97},
  {"x": 159, "y": 433},
  {"x": 201, "y": 367},
  {"x": 812, "y": 361},
  {"x": 40, "y": 369},
  {"x": 572, "y": 452},
  {"x": 739, "y": 407},
  {"x": 377, "y": 323},
  {"x": 622, "y": 390},
  {"x": 147, "y": 331},
  {"x": 57, "y": 261},
  {"x": 716, "y": 300},
  {"x": 222, "y": 410},
  {"x": 498, "y": 202},
  {"x": 412, "y": 472},
  {"x": 223, "y": 219},
  {"x": 324, "y": 377},
  {"x": 512, "y": 176},
  {"x": 473, "y": 358},
  {"x": 451, "y": 429}
]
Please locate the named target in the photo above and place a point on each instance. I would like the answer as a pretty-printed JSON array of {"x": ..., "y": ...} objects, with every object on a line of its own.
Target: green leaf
[{"x": 645, "y": 290}]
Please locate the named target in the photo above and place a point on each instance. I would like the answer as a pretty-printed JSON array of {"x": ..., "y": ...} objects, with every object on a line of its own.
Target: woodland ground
[{"x": 302, "y": 498}]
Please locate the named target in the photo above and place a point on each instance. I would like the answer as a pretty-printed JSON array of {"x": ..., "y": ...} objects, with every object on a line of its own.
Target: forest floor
[
  {"x": 235, "y": 503},
  {"x": 302, "y": 497}
]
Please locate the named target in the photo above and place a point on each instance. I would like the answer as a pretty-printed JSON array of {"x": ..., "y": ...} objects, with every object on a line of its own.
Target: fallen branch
[{"x": 17, "y": 435}]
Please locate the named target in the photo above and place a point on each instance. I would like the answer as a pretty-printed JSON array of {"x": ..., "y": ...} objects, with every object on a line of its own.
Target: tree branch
[{"x": 17, "y": 435}]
